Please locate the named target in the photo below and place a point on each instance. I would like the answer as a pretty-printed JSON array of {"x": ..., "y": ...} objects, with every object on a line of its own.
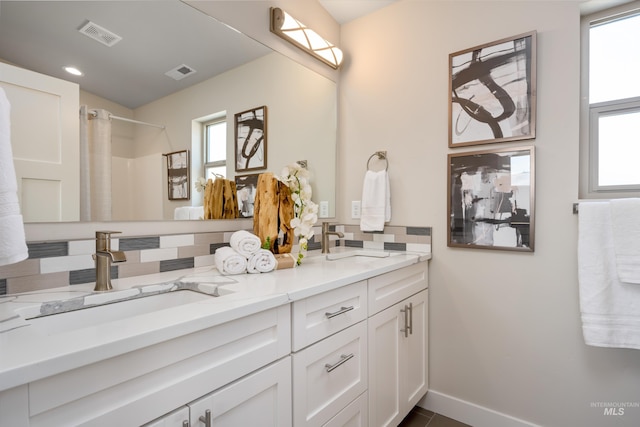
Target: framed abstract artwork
[
  {"x": 178, "y": 175},
  {"x": 246, "y": 186},
  {"x": 251, "y": 139},
  {"x": 491, "y": 200},
  {"x": 492, "y": 92}
]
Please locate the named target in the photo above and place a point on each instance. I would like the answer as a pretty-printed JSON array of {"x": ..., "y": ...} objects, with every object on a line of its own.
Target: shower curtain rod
[{"x": 124, "y": 119}]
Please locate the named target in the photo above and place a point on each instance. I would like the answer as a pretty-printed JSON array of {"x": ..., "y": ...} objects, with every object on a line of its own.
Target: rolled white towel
[
  {"x": 228, "y": 261},
  {"x": 245, "y": 243},
  {"x": 262, "y": 261}
]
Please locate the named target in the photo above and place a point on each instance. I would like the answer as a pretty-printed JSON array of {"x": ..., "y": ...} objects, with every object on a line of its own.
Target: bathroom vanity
[{"x": 330, "y": 343}]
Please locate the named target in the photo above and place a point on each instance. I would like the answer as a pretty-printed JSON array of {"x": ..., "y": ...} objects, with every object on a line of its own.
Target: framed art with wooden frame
[
  {"x": 491, "y": 200},
  {"x": 251, "y": 139},
  {"x": 178, "y": 175},
  {"x": 492, "y": 92}
]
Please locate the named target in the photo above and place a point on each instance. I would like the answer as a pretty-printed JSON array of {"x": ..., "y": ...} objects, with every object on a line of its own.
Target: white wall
[{"x": 505, "y": 329}]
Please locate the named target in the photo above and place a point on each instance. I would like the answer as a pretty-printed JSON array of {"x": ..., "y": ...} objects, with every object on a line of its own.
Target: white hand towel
[
  {"x": 228, "y": 261},
  {"x": 13, "y": 246},
  {"x": 262, "y": 261},
  {"x": 245, "y": 243},
  {"x": 625, "y": 223},
  {"x": 609, "y": 308},
  {"x": 375, "y": 208}
]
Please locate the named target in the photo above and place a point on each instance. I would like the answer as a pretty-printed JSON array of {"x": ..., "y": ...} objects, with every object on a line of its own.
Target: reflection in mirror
[{"x": 233, "y": 73}]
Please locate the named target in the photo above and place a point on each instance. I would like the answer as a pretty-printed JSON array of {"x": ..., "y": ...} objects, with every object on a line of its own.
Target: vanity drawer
[
  {"x": 356, "y": 414},
  {"x": 319, "y": 316},
  {"x": 390, "y": 288},
  {"x": 329, "y": 375}
]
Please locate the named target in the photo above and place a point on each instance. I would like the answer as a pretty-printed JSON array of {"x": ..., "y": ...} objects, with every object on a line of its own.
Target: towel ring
[{"x": 381, "y": 155}]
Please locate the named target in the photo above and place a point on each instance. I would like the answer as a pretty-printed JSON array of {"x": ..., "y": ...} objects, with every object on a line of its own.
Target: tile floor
[{"x": 420, "y": 417}]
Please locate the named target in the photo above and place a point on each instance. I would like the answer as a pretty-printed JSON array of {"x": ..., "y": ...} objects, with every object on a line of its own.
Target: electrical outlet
[
  {"x": 324, "y": 209},
  {"x": 355, "y": 209}
]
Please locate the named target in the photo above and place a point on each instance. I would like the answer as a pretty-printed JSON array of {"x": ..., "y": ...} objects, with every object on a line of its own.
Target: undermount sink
[
  {"x": 361, "y": 253},
  {"x": 119, "y": 310}
]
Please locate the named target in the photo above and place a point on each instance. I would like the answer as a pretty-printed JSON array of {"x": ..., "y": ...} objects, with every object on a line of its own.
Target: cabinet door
[
  {"x": 177, "y": 418},
  {"x": 415, "y": 350},
  {"x": 397, "y": 360},
  {"x": 262, "y": 398},
  {"x": 384, "y": 367}
]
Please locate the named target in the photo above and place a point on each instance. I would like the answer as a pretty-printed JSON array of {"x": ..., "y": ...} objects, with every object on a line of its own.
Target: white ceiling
[
  {"x": 43, "y": 36},
  {"x": 344, "y": 11}
]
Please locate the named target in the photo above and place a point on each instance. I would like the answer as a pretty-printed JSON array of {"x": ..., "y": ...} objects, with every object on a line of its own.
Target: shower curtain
[{"x": 95, "y": 165}]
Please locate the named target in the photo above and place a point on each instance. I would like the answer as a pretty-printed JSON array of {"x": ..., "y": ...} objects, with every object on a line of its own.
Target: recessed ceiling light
[{"x": 73, "y": 70}]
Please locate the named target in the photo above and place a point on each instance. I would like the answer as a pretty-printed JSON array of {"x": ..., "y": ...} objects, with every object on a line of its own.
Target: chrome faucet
[
  {"x": 104, "y": 256},
  {"x": 325, "y": 237}
]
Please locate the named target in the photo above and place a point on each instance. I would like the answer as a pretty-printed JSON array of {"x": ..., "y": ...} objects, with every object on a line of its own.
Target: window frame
[
  {"x": 205, "y": 145},
  {"x": 589, "y": 113}
]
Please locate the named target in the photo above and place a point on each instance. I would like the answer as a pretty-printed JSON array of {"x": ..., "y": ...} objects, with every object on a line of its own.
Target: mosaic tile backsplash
[{"x": 62, "y": 263}]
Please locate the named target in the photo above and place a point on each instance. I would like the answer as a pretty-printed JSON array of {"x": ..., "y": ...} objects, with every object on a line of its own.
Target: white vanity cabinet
[
  {"x": 136, "y": 387},
  {"x": 360, "y": 351},
  {"x": 398, "y": 344}
]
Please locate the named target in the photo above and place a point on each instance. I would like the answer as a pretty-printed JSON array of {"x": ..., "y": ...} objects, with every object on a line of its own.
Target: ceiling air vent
[
  {"x": 180, "y": 72},
  {"x": 101, "y": 34}
]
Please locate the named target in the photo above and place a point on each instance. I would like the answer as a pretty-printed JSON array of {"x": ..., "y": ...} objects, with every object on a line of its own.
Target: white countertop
[{"x": 28, "y": 354}]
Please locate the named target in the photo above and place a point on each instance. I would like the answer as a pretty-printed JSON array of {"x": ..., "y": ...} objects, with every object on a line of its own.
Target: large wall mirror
[{"x": 232, "y": 73}]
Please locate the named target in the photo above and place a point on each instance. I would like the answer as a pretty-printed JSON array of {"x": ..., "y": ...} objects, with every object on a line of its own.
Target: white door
[{"x": 45, "y": 143}]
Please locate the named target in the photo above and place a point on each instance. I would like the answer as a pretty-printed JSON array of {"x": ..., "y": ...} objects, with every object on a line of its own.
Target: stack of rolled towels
[{"x": 244, "y": 255}]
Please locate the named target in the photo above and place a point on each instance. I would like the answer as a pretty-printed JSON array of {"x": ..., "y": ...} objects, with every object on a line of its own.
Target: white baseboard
[{"x": 469, "y": 413}]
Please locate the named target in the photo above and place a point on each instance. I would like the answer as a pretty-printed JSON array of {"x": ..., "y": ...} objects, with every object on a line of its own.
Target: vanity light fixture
[{"x": 298, "y": 34}]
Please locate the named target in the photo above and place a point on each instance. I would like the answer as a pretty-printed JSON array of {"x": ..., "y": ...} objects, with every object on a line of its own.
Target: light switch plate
[
  {"x": 324, "y": 209},
  {"x": 355, "y": 209}
]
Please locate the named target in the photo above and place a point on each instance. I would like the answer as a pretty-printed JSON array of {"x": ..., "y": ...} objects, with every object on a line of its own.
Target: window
[
  {"x": 215, "y": 148},
  {"x": 613, "y": 103}
]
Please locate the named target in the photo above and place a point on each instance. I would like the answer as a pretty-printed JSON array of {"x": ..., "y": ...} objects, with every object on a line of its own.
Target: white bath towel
[
  {"x": 228, "y": 261},
  {"x": 375, "y": 208},
  {"x": 13, "y": 246},
  {"x": 245, "y": 243},
  {"x": 262, "y": 261},
  {"x": 625, "y": 223},
  {"x": 610, "y": 309}
]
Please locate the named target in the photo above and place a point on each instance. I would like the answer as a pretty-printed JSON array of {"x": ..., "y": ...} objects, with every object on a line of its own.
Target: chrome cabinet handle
[
  {"x": 339, "y": 312},
  {"x": 343, "y": 358},
  {"x": 410, "y": 327},
  {"x": 185, "y": 423},
  {"x": 206, "y": 419},
  {"x": 406, "y": 329}
]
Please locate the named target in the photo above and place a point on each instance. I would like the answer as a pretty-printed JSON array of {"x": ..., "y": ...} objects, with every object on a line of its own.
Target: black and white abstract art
[
  {"x": 493, "y": 92},
  {"x": 491, "y": 199}
]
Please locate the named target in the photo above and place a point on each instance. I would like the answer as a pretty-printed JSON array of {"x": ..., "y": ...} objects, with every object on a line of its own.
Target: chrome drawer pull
[
  {"x": 339, "y": 312},
  {"x": 343, "y": 358},
  {"x": 185, "y": 423},
  {"x": 206, "y": 419},
  {"x": 410, "y": 327}
]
